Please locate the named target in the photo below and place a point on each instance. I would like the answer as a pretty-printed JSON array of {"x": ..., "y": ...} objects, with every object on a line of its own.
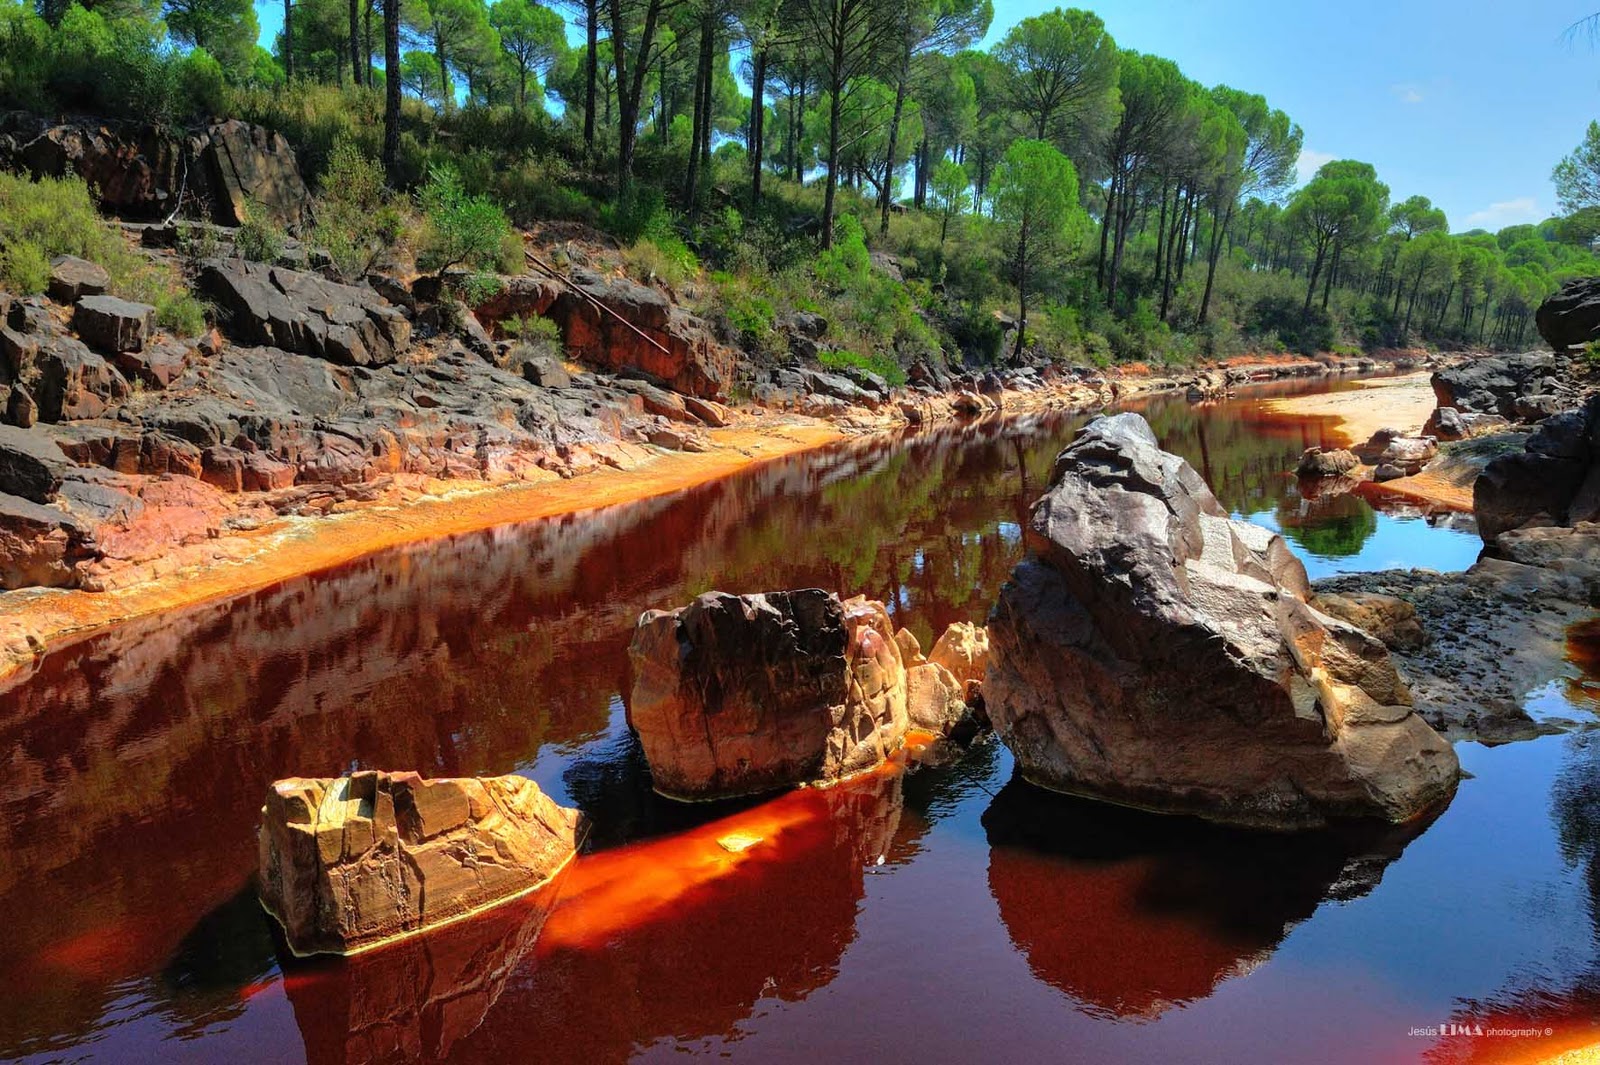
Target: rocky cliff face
[
  {"x": 350, "y": 862},
  {"x": 1155, "y": 653},
  {"x": 144, "y": 172}
]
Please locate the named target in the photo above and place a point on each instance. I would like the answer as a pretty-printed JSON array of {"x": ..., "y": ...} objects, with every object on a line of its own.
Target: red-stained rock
[
  {"x": 621, "y": 324},
  {"x": 737, "y": 695},
  {"x": 350, "y": 862},
  {"x": 39, "y": 546}
]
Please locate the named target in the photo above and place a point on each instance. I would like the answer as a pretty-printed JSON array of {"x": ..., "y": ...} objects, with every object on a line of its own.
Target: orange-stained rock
[
  {"x": 963, "y": 650},
  {"x": 349, "y": 862},
  {"x": 910, "y": 648},
  {"x": 935, "y": 699},
  {"x": 738, "y": 695}
]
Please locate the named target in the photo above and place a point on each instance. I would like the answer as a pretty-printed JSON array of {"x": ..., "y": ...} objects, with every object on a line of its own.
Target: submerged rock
[
  {"x": 738, "y": 695},
  {"x": 1157, "y": 654},
  {"x": 1315, "y": 462},
  {"x": 349, "y": 862}
]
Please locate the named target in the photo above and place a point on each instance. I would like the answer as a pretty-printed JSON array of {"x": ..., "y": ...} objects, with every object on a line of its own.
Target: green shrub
[
  {"x": 259, "y": 239},
  {"x": 24, "y": 267},
  {"x": 845, "y": 266},
  {"x": 1591, "y": 353},
  {"x": 459, "y": 229},
  {"x": 667, "y": 259},
  {"x": 44, "y": 219},
  {"x": 358, "y": 222},
  {"x": 533, "y": 329},
  {"x": 882, "y": 365}
]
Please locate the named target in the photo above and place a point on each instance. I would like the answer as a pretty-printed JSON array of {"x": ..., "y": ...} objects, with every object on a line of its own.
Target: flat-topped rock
[
  {"x": 738, "y": 695},
  {"x": 113, "y": 325},
  {"x": 1157, "y": 654},
  {"x": 72, "y": 278},
  {"x": 351, "y": 862}
]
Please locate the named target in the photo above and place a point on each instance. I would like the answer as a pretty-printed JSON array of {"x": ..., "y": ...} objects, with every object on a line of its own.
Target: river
[{"x": 946, "y": 913}]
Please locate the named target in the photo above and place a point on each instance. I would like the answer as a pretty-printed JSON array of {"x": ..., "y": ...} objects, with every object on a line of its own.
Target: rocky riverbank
[{"x": 140, "y": 472}]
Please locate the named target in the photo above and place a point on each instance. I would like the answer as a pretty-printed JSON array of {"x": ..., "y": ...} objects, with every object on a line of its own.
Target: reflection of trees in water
[
  {"x": 1570, "y": 1008},
  {"x": 1330, "y": 526},
  {"x": 1132, "y": 913}
]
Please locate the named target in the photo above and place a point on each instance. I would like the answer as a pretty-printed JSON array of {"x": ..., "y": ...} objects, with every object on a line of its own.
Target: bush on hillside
[{"x": 44, "y": 219}]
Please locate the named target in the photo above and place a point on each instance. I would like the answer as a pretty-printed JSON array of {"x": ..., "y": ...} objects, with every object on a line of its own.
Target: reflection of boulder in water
[
  {"x": 678, "y": 939},
  {"x": 1332, "y": 525},
  {"x": 231, "y": 947},
  {"x": 1132, "y": 913},
  {"x": 415, "y": 999}
]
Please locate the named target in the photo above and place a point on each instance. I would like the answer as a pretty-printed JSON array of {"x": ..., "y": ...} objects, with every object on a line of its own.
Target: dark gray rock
[
  {"x": 111, "y": 325},
  {"x": 1571, "y": 318},
  {"x": 1156, "y": 653},
  {"x": 31, "y": 465},
  {"x": 303, "y": 313},
  {"x": 72, "y": 278}
]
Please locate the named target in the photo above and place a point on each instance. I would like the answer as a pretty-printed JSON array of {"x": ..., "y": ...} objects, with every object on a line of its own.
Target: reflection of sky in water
[{"x": 1397, "y": 542}]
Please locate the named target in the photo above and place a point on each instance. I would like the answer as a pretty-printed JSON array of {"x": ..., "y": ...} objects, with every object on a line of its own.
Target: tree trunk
[
  {"x": 1316, "y": 269},
  {"x": 288, "y": 40},
  {"x": 702, "y": 70},
  {"x": 834, "y": 108},
  {"x": 446, "y": 91},
  {"x": 366, "y": 51},
  {"x": 755, "y": 145},
  {"x": 924, "y": 166},
  {"x": 1333, "y": 271},
  {"x": 630, "y": 87},
  {"x": 1217, "y": 231},
  {"x": 885, "y": 194},
  {"x": 1022, "y": 291},
  {"x": 355, "y": 40},
  {"x": 591, "y": 69},
  {"x": 391, "y": 90},
  {"x": 1105, "y": 232}
]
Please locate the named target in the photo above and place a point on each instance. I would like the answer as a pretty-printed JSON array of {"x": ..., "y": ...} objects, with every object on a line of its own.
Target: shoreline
[
  {"x": 1404, "y": 402},
  {"x": 45, "y": 619}
]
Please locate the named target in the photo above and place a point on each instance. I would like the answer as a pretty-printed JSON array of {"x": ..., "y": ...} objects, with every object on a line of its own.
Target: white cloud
[
  {"x": 1310, "y": 162},
  {"x": 1409, "y": 92},
  {"x": 1505, "y": 213}
]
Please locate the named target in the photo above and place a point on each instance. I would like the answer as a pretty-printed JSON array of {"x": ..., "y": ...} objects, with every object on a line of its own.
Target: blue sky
[{"x": 1468, "y": 102}]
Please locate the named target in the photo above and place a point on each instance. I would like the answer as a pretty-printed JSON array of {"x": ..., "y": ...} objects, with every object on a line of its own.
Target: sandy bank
[
  {"x": 291, "y": 547},
  {"x": 1402, "y": 402}
]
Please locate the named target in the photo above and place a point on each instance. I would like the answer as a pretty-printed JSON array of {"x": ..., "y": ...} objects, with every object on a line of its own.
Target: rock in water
[
  {"x": 742, "y": 694},
  {"x": 1315, "y": 462},
  {"x": 1157, "y": 654},
  {"x": 350, "y": 862}
]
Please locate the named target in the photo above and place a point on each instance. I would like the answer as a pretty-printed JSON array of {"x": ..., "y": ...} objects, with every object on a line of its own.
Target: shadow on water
[{"x": 1132, "y": 913}]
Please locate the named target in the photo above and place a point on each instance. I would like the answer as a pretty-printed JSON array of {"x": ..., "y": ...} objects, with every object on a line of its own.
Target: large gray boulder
[
  {"x": 303, "y": 313},
  {"x": 1571, "y": 318},
  {"x": 1153, "y": 652}
]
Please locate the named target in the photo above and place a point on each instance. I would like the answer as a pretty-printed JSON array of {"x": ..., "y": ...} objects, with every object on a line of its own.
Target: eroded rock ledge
[
  {"x": 349, "y": 863},
  {"x": 1157, "y": 654}
]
